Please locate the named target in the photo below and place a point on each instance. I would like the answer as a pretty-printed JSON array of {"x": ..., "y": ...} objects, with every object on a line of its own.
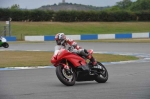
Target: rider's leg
[
  {"x": 85, "y": 53},
  {"x": 92, "y": 59}
]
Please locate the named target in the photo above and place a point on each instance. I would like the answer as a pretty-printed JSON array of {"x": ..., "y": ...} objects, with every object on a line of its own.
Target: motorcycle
[
  {"x": 3, "y": 42},
  {"x": 71, "y": 67}
]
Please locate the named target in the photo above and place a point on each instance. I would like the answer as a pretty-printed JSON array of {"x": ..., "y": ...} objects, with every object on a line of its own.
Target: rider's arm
[{"x": 73, "y": 43}]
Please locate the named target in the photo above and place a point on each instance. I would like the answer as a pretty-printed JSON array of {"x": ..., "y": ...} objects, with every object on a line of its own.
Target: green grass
[
  {"x": 42, "y": 58},
  {"x": 21, "y": 29}
]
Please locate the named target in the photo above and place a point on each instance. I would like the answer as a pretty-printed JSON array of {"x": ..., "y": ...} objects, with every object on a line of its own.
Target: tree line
[
  {"x": 125, "y": 10},
  {"x": 138, "y": 5}
]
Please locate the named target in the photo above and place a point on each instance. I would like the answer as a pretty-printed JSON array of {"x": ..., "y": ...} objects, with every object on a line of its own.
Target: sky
[{"x": 32, "y": 4}]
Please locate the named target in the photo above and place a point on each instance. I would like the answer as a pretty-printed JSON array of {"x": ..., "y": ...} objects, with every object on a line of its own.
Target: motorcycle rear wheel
[
  {"x": 5, "y": 45},
  {"x": 103, "y": 76},
  {"x": 64, "y": 77}
]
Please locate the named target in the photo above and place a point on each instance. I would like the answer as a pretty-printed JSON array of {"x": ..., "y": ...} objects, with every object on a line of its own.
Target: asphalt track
[{"x": 129, "y": 80}]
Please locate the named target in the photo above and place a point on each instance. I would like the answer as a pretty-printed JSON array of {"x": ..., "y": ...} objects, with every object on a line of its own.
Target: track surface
[{"x": 126, "y": 81}]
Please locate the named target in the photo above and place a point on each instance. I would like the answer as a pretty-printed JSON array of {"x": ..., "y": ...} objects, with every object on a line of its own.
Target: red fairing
[
  {"x": 65, "y": 54},
  {"x": 53, "y": 60}
]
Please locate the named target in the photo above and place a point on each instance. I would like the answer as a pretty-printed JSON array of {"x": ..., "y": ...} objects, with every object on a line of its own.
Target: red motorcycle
[{"x": 71, "y": 67}]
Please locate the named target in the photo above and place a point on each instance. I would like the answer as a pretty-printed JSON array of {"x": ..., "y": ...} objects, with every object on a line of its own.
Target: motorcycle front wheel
[
  {"x": 68, "y": 78},
  {"x": 102, "y": 77}
]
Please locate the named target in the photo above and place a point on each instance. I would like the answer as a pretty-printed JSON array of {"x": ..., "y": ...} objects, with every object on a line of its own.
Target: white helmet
[{"x": 60, "y": 38}]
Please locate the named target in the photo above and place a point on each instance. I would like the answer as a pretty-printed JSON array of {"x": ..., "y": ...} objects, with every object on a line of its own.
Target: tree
[
  {"x": 15, "y": 6},
  {"x": 124, "y": 4},
  {"x": 113, "y": 8},
  {"x": 141, "y": 5}
]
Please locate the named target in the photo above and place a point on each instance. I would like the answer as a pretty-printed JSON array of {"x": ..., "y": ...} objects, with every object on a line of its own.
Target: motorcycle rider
[{"x": 61, "y": 40}]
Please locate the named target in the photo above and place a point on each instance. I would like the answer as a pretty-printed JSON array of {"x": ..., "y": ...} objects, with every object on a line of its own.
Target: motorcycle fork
[
  {"x": 67, "y": 68},
  {"x": 65, "y": 65}
]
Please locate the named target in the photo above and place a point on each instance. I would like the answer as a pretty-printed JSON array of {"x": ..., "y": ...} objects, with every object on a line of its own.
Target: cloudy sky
[{"x": 31, "y": 4}]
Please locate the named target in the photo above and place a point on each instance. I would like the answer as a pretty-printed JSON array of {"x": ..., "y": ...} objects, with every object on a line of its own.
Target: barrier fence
[
  {"x": 84, "y": 37},
  {"x": 91, "y": 36}
]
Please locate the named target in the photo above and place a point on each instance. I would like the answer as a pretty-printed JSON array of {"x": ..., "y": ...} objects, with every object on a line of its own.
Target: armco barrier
[
  {"x": 140, "y": 35},
  {"x": 10, "y": 38},
  {"x": 34, "y": 38},
  {"x": 106, "y": 36},
  {"x": 74, "y": 37},
  {"x": 91, "y": 36},
  {"x": 49, "y": 38},
  {"x": 123, "y": 36}
]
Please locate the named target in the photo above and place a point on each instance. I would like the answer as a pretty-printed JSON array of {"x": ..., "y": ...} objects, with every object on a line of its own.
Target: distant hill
[{"x": 70, "y": 6}]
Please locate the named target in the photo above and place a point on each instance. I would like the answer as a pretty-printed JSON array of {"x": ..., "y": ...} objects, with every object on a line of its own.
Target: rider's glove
[
  {"x": 74, "y": 44},
  {"x": 71, "y": 48}
]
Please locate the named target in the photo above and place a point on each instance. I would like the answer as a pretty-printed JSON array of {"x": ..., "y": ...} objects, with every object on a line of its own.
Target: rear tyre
[
  {"x": 102, "y": 77},
  {"x": 5, "y": 45},
  {"x": 66, "y": 78}
]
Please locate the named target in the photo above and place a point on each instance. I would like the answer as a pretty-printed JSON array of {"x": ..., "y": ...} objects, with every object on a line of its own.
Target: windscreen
[{"x": 57, "y": 48}]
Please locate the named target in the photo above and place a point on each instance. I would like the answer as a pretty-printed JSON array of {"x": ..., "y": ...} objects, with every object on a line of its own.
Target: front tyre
[
  {"x": 67, "y": 78},
  {"x": 102, "y": 76},
  {"x": 5, "y": 45}
]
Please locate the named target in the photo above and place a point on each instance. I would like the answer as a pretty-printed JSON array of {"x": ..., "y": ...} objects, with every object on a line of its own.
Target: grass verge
[
  {"x": 21, "y": 29},
  {"x": 42, "y": 58}
]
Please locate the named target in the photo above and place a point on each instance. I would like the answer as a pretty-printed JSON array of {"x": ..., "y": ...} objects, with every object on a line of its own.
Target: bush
[{"x": 73, "y": 16}]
